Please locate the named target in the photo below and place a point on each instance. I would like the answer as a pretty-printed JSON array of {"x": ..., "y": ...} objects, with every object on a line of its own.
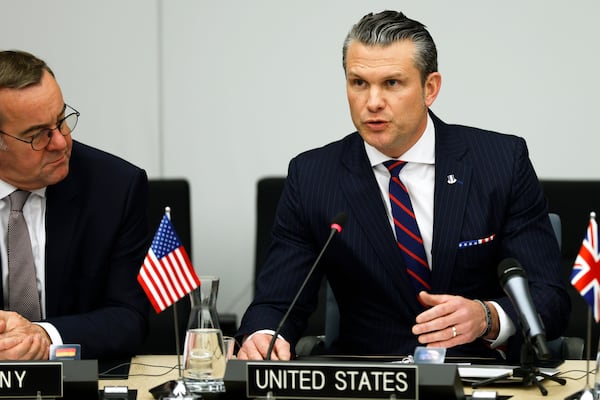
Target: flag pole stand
[
  {"x": 175, "y": 321},
  {"x": 587, "y": 393},
  {"x": 177, "y": 389},
  {"x": 177, "y": 344}
]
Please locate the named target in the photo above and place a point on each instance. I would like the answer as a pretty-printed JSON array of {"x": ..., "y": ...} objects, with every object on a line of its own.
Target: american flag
[
  {"x": 167, "y": 274},
  {"x": 586, "y": 271}
]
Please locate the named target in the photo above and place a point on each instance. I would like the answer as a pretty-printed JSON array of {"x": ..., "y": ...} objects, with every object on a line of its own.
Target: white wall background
[{"x": 225, "y": 92}]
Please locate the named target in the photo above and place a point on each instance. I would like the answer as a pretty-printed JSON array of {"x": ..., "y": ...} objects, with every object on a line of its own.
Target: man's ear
[{"x": 431, "y": 88}]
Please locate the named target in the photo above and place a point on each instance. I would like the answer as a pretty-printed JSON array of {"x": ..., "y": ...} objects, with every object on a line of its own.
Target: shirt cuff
[
  {"x": 507, "y": 328},
  {"x": 267, "y": 331},
  {"x": 51, "y": 330}
]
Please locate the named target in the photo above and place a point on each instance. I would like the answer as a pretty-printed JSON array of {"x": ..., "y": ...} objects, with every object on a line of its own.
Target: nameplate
[
  {"x": 331, "y": 380},
  {"x": 27, "y": 379}
]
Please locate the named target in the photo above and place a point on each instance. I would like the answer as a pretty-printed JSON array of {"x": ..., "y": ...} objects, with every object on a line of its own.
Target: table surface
[{"x": 149, "y": 371}]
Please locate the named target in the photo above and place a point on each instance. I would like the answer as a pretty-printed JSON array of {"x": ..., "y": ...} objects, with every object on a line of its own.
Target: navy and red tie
[{"x": 408, "y": 235}]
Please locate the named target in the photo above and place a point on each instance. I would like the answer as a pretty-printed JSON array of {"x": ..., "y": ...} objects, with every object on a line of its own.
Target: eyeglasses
[{"x": 40, "y": 140}]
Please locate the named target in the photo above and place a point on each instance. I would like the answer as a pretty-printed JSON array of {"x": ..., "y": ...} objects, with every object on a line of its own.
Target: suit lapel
[
  {"x": 452, "y": 181},
  {"x": 62, "y": 212},
  {"x": 366, "y": 207}
]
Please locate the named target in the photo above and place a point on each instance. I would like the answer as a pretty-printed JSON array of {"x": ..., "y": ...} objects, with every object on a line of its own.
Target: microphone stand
[
  {"x": 529, "y": 372},
  {"x": 293, "y": 303},
  {"x": 336, "y": 227}
]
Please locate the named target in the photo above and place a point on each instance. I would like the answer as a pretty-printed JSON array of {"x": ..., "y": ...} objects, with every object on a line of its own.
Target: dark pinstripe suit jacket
[
  {"x": 96, "y": 240},
  {"x": 497, "y": 193}
]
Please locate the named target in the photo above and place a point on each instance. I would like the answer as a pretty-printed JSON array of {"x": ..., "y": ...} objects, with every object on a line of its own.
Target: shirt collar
[
  {"x": 6, "y": 189},
  {"x": 422, "y": 152}
]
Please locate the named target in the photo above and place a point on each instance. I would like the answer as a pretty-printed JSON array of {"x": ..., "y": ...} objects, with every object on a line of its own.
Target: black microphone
[
  {"x": 514, "y": 282},
  {"x": 336, "y": 227}
]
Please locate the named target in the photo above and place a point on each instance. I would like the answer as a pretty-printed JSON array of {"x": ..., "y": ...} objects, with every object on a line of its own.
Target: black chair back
[
  {"x": 173, "y": 193},
  {"x": 573, "y": 200},
  {"x": 269, "y": 191}
]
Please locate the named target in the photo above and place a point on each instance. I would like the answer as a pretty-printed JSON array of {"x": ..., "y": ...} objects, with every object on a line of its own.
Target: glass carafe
[
  {"x": 204, "y": 304},
  {"x": 204, "y": 358}
]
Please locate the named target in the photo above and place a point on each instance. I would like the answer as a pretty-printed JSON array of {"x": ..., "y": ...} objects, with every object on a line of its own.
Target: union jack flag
[
  {"x": 167, "y": 274},
  {"x": 586, "y": 271}
]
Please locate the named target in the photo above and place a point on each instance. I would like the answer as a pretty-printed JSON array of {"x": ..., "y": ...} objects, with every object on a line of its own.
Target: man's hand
[
  {"x": 257, "y": 345},
  {"x": 451, "y": 321},
  {"x": 22, "y": 340}
]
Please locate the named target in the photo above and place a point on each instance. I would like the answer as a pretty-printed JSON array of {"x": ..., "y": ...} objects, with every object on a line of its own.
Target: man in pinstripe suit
[{"x": 475, "y": 195}]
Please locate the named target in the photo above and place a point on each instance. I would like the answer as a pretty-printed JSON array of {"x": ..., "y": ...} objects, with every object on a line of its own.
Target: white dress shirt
[
  {"x": 34, "y": 212},
  {"x": 418, "y": 175}
]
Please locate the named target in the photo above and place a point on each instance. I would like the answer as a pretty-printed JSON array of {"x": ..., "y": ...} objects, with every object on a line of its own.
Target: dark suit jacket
[
  {"x": 497, "y": 193},
  {"x": 96, "y": 240}
]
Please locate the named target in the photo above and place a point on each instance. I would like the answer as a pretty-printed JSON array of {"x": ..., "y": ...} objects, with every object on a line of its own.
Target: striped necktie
[
  {"x": 23, "y": 295},
  {"x": 408, "y": 235}
]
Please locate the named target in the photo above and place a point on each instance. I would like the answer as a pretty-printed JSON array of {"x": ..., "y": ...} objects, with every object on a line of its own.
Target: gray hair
[
  {"x": 18, "y": 70},
  {"x": 388, "y": 27}
]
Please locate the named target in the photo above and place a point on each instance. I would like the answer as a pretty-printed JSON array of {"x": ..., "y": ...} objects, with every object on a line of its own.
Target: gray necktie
[{"x": 23, "y": 296}]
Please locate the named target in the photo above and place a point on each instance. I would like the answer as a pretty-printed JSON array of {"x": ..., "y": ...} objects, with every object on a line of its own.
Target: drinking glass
[
  {"x": 204, "y": 360},
  {"x": 229, "y": 343}
]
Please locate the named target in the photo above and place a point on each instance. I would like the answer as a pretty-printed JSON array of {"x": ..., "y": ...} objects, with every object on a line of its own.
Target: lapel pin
[{"x": 452, "y": 179}]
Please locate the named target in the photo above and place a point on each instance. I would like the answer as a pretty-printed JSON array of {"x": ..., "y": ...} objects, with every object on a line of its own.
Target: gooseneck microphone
[
  {"x": 336, "y": 227},
  {"x": 514, "y": 282}
]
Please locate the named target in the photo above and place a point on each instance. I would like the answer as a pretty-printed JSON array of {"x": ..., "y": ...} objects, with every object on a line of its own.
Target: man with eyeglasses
[{"x": 86, "y": 219}]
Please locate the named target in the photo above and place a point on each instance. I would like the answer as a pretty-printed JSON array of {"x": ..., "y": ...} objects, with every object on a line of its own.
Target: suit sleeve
[
  {"x": 110, "y": 320},
  {"x": 529, "y": 238},
  {"x": 293, "y": 250}
]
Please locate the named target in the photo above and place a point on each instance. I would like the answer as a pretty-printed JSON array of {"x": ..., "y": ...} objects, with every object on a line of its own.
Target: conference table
[{"x": 149, "y": 371}]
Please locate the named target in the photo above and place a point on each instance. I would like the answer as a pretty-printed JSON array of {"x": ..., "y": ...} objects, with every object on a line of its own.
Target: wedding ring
[{"x": 454, "y": 331}]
